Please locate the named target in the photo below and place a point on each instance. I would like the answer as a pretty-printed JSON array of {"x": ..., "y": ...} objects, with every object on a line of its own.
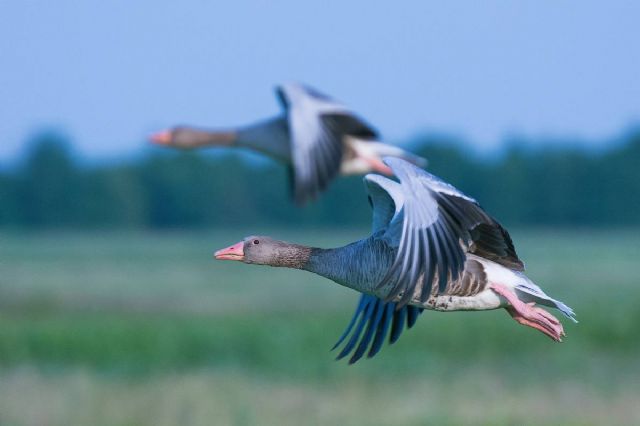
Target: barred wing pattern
[
  {"x": 431, "y": 228},
  {"x": 431, "y": 225}
]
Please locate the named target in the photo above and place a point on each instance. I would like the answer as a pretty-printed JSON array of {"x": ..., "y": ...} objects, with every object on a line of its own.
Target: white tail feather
[{"x": 530, "y": 292}]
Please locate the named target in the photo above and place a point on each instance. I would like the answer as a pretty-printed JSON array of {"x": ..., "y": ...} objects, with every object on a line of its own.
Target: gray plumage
[
  {"x": 317, "y": 137},
  {"x": 317, "y": 126},
  {"x": 431, "y": 247},
  {"x": 433, "y": 226}
]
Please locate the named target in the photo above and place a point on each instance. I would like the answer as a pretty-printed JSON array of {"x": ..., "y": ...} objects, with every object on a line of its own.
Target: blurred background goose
[
  {"x": 431, "y": 247},
  {"x": 317, "y": 137}
]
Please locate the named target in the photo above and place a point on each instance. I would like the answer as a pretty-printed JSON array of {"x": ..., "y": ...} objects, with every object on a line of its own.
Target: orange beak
[
  {"x": 161, "y": 138},
  {"x": 234, "y": 252}
]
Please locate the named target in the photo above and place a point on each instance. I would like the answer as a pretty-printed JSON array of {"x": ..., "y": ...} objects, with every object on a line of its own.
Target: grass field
[{"x": 137, "y": 329}]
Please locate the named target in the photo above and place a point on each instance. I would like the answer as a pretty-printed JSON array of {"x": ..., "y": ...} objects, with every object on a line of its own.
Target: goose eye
[{"x": 256, "y": 242}]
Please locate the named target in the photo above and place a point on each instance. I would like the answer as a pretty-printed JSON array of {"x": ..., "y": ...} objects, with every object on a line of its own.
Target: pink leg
[
  {"x": 530, "y": 315},
  {"x": 377, "y": 165}
]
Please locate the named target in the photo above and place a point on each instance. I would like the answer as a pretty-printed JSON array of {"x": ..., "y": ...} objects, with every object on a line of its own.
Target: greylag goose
[
  {"x": 431, "y": 247},
  {"x": 316, "y": 136}
]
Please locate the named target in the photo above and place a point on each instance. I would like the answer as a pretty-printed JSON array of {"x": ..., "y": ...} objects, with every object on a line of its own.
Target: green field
[{"x": 137, "y": 329}]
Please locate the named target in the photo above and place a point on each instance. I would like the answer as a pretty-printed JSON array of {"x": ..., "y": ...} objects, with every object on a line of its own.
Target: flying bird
[
  {"x": 431, "y": 247},
  {"x": 316, "y": 136}
]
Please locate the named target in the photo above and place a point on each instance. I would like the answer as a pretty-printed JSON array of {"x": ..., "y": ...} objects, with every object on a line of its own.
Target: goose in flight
[
  {"x": 431, "y": 247},
  {"x": 316, "y": 136}
]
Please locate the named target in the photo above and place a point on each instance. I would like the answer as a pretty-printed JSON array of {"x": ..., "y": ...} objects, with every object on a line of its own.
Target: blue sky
[{"x": 107, "y": 73}]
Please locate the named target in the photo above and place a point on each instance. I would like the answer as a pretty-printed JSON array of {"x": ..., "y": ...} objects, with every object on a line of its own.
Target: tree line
[{"x": 555, "y": 186}]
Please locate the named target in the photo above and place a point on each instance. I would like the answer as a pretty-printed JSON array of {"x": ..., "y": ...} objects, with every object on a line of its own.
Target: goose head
[{"x": 262, "y": 250}]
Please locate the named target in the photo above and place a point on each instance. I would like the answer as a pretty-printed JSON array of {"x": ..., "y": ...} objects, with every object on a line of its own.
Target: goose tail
[{"x": 530, "y": 292}]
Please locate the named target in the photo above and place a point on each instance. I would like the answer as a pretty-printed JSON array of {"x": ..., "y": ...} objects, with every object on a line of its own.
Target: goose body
[
  {"x": 316, "y": 136},
  {"x": 432, "y": 247}
]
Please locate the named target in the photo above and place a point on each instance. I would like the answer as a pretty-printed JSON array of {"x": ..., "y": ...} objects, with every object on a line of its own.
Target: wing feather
[
  {"x": 435, "y": 225},
  {"x": 317, "y": 127},
  {"x": 432, "y": 226},
  {"x": 379, "y": 317}
]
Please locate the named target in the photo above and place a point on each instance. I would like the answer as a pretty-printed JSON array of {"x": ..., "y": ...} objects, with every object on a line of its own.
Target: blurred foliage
[
  {"x": 551, "y": 186},
  {"x": 137, "y": 328}
]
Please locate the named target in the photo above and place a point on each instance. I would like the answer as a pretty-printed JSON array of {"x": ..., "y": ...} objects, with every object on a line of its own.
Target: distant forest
[{"x": 554, "y": 186}]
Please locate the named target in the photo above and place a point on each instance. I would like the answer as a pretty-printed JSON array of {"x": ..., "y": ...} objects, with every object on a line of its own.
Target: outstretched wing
[
  {"x": 375, "y": 317},
  {"x": 434, "y": 225},
  {"x": 317, "y": 127}
]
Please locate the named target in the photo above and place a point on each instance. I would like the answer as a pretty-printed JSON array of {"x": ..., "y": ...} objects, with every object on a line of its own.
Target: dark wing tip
[{"x": 378, "y": 317}]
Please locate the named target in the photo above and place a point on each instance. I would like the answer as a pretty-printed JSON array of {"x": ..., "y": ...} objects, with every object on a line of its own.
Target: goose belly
[{"x": 483, "y": 301}]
